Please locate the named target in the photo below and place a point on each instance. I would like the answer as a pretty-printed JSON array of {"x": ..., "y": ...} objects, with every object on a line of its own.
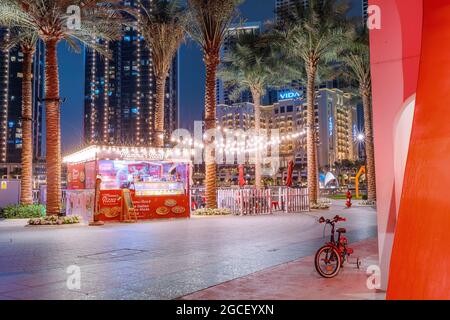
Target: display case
[{"x": 159, "y": 188}]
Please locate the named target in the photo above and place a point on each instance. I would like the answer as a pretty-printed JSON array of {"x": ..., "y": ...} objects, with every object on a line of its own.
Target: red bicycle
[{"x": 330, "y": 258}]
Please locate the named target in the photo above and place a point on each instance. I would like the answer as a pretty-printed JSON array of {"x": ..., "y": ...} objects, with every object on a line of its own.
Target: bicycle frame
[{"x": 337, "y": 245}]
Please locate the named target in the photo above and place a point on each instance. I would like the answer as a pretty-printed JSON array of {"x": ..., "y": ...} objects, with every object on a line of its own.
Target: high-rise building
[
  {"x": 120, "y": 92},
  {"x": 282, "y": 5},
  {"x": 338, "y": 125},
  {"x": 223, "y": 93},
  {"x": 11, "y": 101}
]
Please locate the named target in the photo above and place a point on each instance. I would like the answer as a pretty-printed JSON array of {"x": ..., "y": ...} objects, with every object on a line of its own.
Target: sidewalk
[{"x": 298, "y": 280}]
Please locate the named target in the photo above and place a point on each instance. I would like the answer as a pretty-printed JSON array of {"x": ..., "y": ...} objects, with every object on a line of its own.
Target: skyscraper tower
[
  {"x": 11, "y": 101},
  {"x": 120, "y": 92}
]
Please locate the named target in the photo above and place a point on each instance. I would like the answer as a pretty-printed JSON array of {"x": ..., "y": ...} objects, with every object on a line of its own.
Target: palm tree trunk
[
  {"x": 53, "y": 130},
  {"x": 257, "y": 105},
  {"x": 370, "y": 153},
  {"x": 311, "y": 136},
  {"x": 159, "y": 111},
  {"x": 26, "y": 192},
  {"x": 211, "y": 62}
]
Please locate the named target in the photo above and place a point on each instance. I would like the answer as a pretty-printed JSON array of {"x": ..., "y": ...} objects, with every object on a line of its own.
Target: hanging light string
[{"x": 240, "y": 142}]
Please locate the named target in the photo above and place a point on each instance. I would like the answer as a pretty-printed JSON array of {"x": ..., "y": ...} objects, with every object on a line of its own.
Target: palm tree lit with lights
[
  {"x": 163, "y": 27},
  {"x": 315, "y": 34},
  {"x": 25, "y": 40},
  {"x": 357, "y": 62},
  {"x": 208, "y": 23},
  {"x": 49, "y": 19},
  {"x": 254, "y": 64}
]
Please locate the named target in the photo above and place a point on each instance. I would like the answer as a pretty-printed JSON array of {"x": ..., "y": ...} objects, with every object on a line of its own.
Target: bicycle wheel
[{"x": 327, "y": 262}]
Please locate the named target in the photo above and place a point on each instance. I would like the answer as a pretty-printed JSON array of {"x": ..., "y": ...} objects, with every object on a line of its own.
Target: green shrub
[
  {"x": 54, "y": 220},
  {"x": 212, "y": 212},
  {"x": 364, "y": 197},
  {"x": 23, "y": 211}
]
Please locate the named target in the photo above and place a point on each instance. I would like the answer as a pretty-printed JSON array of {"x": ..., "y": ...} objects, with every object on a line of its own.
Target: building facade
[
  {"x": 338, "y": 125},
  {"x": 336, "y": 119},
  {"x": 11, "y": 101},
  {"x": 120, "y": 93}
]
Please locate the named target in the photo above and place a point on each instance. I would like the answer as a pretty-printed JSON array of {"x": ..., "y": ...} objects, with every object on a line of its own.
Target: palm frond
[
  {"x": 255, "y": 64},
  {"x": 100, "y": 19},
  {"x": 209, "y": 21},
  {"x": 162, "y": 24}
]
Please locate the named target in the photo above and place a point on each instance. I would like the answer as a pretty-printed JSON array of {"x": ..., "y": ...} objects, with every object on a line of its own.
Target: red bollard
[{"x": 349, "y": 199}]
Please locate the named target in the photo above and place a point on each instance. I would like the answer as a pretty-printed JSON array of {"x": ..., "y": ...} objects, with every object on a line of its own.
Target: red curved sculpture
[
  {"x": 410, "y": 54},
  {"x": 420, "y": 264}
]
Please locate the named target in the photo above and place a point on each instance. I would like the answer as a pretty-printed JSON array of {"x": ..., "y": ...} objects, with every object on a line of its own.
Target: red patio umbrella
[
  {"x": 289, "y": 173},
  {"x": 241, "y": 176}
]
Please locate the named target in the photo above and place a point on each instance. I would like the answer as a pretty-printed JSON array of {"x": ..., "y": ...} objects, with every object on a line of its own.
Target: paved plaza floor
[
  {"x": 160, "y": 259},
  {"x": 298, "y": 280}
]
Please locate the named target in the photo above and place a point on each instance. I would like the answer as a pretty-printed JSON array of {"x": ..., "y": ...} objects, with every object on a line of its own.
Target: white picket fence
[
  {"x": 295, "y": 200},
  {"x": 265, "y": 201}
]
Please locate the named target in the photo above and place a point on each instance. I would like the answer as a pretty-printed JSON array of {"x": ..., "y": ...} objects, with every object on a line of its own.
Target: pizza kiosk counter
[{"x": 157, "y": 181}]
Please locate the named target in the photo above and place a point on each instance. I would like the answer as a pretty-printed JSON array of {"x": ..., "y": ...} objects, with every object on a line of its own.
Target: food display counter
[{"x": 157, "y": 181}]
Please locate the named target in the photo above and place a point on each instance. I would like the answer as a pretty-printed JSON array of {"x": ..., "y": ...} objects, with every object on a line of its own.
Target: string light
[
  {"x": 93, "y": 95},
  {"x": 106, "y": 98},
  {"x": 242, "y": 142},
  {"x": 125, "y": 152},
  {"x": 138, "y": 80},
  {"x": 4, "y": 137}
]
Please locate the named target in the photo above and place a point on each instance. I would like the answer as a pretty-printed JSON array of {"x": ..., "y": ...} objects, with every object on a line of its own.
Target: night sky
[{"x": 191, "y": 78}]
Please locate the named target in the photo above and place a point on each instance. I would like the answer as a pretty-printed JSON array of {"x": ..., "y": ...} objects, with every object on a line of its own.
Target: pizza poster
[
  {"x": 110, "y": 205},
  {"x": 76, "y": 177}
]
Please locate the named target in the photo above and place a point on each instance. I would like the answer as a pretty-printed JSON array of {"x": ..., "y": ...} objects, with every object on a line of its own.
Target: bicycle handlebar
[{"x": 332, "y": 221}]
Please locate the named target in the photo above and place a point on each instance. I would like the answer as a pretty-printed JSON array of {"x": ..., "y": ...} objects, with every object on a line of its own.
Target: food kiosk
[{"x": 158, "y": 181}]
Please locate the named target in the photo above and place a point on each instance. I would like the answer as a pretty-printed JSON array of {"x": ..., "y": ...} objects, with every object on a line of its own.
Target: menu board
[
  {"x": 76, "y": 177},
  {"x": 163, "y": 207}
]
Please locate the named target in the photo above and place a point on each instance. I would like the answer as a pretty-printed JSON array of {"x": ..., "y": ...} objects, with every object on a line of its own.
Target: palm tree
[
  {"x": 357, "y": 62},
  {"x": 208, "y": 23},
  {"x": 26, "y": 40},
  {"x": 314, "y": 33},
  {"x": 162, "y": 26},
  {"x": 48, "y": 18},
  {"x": 254, "y": 64}
]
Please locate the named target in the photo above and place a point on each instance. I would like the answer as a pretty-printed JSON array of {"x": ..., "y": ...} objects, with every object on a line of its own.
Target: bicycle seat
[{"x": 341, "y": 230}]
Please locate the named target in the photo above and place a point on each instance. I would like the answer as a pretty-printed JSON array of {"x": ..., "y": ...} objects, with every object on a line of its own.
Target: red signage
[
  {"x": 111, "y": 204},
  {"x": 161, "y": 207},
  {"x": 76, "y": 177},
  {"x": 147, "y": 207}
]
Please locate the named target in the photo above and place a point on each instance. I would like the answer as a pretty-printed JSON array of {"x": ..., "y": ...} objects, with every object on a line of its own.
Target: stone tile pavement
[{"x": 159, "y": 259}]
